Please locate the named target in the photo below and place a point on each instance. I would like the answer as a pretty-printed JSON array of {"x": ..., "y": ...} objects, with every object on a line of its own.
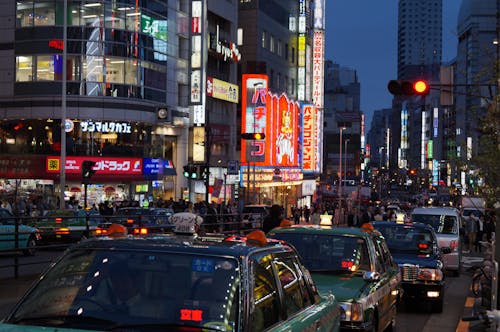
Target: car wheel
[{"x": 30, "y": 251}]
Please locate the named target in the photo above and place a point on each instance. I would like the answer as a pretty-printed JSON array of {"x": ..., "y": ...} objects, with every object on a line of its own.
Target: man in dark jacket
[{"x": 273, "y": 219}]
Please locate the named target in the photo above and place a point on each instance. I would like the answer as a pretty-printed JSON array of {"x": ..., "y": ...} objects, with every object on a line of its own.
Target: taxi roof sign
[{"x": 186, "y": 222}]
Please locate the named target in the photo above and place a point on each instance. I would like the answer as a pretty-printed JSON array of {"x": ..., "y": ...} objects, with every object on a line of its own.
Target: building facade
[{"x": 108, "y": 76}]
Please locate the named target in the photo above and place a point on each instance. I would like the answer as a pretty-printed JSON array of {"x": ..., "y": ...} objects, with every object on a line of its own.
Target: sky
[{"x": 362, "y": 35}]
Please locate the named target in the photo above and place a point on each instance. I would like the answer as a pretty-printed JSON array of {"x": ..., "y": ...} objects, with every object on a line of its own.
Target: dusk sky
[{"x": 362, "y": 35}]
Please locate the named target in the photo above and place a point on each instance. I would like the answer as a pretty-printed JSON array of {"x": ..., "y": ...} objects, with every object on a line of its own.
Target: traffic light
[
  {"x": 408, "y": 88},
  {"x": 413, "y": 172},
  {"x": 190, "y": 172},
  {"x": 87, "y": 169},
  {"x": 253, "y": 136}
]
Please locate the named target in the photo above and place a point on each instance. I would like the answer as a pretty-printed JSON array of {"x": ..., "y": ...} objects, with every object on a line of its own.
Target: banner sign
[{"x": 104, "y": 165}]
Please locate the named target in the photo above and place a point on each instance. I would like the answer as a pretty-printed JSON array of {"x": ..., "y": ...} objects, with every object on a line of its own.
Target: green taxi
[
  {"x": 356, "y": 266},
  {"x": 67, "y": 226},
  {"x": 176, "y": 282}
]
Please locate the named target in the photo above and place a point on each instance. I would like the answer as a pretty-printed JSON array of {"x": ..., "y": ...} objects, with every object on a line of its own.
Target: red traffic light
[
  {"x": 253, "y": 136},
  {"x": 408, "y": 88},
  {"x": 421, "y": 87}
]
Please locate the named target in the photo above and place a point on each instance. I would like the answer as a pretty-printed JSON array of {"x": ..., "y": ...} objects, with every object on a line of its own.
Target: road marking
[
  {"x": 469, "y": 302},
  {"x": 462, "y": 326}
]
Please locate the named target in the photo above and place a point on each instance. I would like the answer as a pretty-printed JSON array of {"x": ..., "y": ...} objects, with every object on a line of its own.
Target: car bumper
[
  {"x": 421, "y": 291},
  {"x": 355, "y": 326},
  {"x": 452, "y": 261}
]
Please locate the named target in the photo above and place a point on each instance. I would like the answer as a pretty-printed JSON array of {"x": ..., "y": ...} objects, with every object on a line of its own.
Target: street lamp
[
  {"x": 341, "y": 129},
  {"x": 345, "y": 157}
]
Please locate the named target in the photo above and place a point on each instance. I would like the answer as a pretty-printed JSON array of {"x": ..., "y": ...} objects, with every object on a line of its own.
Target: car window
[
  {"x": 264, "y": 310},
  {"x": 293, "y": 285},
  {"x": 404, "y": 239},
  {"x": 165, "y": 288},
  {"x": 384, "y": 253},
  {"x": 328, "y": 252},
  {"x": 442, "y": 224}
]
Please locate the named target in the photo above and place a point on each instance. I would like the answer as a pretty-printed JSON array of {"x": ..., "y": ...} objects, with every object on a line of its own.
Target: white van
[{"x": 446, "y": 222}]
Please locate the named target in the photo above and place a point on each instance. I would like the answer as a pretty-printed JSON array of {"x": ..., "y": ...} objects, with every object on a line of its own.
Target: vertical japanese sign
[
  {"x": 255, "y": 118},
  {"x": 197, "y": 51},
  {"x": 309, "y": 141}
]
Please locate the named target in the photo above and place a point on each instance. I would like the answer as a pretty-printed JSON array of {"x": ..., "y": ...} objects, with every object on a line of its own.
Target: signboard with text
[{"x": 104, "y": 165}]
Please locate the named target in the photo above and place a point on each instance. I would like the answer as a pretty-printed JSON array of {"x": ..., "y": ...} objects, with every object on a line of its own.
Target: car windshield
[
  {"x": 105, "y": 290},
  {"x": 404, "y": 239},
  {"x": 442, "y": 224},
  {"x": 330, "y": 253}
]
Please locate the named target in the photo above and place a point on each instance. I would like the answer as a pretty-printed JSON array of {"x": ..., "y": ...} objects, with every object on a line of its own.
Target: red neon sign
[{"x": 57, "y": 44}]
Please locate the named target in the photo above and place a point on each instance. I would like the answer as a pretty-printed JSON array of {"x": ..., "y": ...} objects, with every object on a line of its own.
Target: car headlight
[
  {"x": 351, "y": 312},
  {"x": 430, "y": 274}
]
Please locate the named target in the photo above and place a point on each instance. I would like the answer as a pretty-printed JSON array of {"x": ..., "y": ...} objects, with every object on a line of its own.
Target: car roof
[
  {"x": 217, "y": 246},
  {"x": 316, "y": 229},
  {"x": 406, "y": 224},
  {"x": 447, "y": 210}
]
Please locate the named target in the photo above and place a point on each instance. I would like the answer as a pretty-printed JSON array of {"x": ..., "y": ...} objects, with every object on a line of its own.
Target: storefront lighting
[
  {"x": 133, "y": 14},
  {"x": 89, "y": 16},
  {"x": 93, "y": 4}
]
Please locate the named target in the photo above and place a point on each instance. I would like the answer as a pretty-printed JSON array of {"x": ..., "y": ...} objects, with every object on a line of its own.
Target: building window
[
  {"x": 279, "y": 51},
  {"x": 263, "y": 39},
  {"x": 45, "y": 13},
  {"x": 293, "y": 55},
  {"x": 24, "y": 68},
  {"x": 271, "y": 44}
]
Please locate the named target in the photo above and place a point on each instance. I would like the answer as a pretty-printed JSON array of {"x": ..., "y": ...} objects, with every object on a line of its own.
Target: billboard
[{"x": 274, "y": 115}]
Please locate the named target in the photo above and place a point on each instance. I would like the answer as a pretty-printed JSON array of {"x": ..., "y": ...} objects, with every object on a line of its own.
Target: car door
[
  {"x": 8, "y": 229},
  {"x": 389, "y": 285},
  {"x": 302, "y": 307}
]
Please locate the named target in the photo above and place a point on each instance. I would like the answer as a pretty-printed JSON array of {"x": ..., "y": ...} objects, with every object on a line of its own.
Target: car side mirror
[{"x": 371, "y": 276}]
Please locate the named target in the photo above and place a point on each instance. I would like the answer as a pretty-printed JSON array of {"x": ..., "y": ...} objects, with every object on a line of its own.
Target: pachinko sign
[
  {"x": 104, "y": 165},
  {"x": 276, "y": 117},
  {"x": 311, "y": 122}
]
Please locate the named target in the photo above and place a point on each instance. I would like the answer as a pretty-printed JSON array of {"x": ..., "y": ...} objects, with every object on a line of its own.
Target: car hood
[
  {"x": 422, "y": 261},
  {"x": 344, "y": 286},
  {"x": 25, "y": 328}
]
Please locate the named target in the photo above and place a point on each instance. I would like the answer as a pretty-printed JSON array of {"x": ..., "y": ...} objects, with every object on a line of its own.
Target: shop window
[
  {"x": 131, "y": 71},
  {"x": 24, "y": 68},
  {"x": 92, "y": 12},
  {"x": 44, "y": 13},
  {"x": 24, "y": 14},
  {"x": 115, "y": 16},
  {"x": 115, "y": 68},
  {"x": 45, "y": 67},
  {"x": 132, "y": 18}
]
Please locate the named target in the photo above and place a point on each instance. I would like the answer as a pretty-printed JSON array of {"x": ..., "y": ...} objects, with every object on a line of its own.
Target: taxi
[
  {"x": 416, "y": 250},
  {"x": 27, "y": 237},
  {"x": 176, "y": 282},
  {"x": 356, "y": 266},
  {"x": 67, "y": 225}
]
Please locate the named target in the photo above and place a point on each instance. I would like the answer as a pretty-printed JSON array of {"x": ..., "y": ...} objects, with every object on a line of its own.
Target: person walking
[
  {"x": 316, "y": 217},
  {"x": 273, "y": 219},
  {"x": 471, "y": 231}
]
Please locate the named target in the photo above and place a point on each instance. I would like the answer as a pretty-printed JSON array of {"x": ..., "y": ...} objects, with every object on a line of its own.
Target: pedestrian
[
  {"x": 480, "y": 232},
  {"x": 471, "y": 231},
  {"x": 489, "y": 226},
  {"x": 316, "y": 217},
  {"x": 273, "y": 219}
]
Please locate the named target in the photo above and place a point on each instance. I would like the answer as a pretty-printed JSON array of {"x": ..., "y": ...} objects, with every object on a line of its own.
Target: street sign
[{"x": 233, "y": 167}]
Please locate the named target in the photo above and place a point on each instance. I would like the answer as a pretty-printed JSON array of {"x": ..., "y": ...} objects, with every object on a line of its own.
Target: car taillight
[
  {"x": 62, "y": 231},
  {"x": 453, "y": 244},
  {"x": 140, "y": 231},
  {"x": 58, "y": 220},
  {"x": 130, "y": 221},
  {"x": 100, "y": 231}
]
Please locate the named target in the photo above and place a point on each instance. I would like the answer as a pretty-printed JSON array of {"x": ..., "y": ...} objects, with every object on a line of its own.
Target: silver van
[{"x": 447, "y": 223}]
